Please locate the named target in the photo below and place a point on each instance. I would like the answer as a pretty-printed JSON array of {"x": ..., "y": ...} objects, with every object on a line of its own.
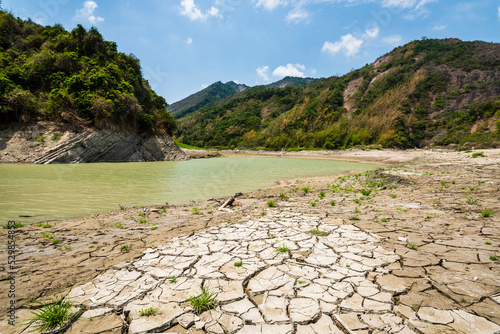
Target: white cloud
[
  {"x": 203, "y": 86},
  {"x": 499, "y": 12},
  {"x": 192, "y": 11},
  {"x": 372, "y": 33},
  {"x": 189, "y": 41},
  {"x": 296, "y": 15},
  {"x": 262, "y": 72},
  {"x": 414, "y": 4},
  {"x": 439, "y": 27},
  {"x": 271, "y": 4},
  {"x": 393, "y": 40},
  {"x": 349, "y": 44},
  {"x": 290, "y": 70},
  {"x": 87, "y": 13}
]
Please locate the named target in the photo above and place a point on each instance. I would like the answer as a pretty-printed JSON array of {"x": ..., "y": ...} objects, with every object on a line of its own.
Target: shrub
[{"x": 478, "y": 154}]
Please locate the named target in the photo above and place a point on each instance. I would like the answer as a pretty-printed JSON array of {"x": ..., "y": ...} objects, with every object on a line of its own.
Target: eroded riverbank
[{"x": 415, "y": 254}]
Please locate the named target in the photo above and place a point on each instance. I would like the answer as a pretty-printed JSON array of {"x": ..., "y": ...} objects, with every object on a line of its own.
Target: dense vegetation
[
  {"x": 48, "y": 73},
  {"x": 213, "y": 93},
  {"x": 428, "y": 92}
]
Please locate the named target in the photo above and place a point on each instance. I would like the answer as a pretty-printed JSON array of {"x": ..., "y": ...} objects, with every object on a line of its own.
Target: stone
[
  {"x": 165, "y": 317},
  {"x": 303, "y": 310},
  {"x": 323, "y": 326},
  {"x": 435, "y": 316}
]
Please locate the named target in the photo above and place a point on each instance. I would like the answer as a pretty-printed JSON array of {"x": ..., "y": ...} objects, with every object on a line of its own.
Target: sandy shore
[{"x": 424, "y": 207}]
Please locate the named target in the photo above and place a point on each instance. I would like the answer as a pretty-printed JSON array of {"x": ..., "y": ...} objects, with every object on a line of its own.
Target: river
[{"x": 33, "y": 193}]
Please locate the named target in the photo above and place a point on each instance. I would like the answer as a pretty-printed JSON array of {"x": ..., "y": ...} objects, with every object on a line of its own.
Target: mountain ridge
[
  {"x": 218, "y": 92},
  {"x": 427, "y": 92}
]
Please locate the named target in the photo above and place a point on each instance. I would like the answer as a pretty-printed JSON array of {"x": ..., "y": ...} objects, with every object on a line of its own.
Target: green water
[{"x": 47, "y": 192}]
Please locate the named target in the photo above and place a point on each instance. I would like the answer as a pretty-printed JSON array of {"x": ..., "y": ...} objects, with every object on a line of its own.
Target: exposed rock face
[{"x": 52, "y": 143}]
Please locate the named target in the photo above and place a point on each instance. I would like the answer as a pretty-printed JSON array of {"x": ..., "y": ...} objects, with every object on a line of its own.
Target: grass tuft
[
  {"x": 238, "y": 264},
  {"x": 203, "y": 302},
  {"x": 147, "y": 312},
  {"x": 486, "y": 212},
  {"x": 271, "y": 203},
  {"x": 282, "y": 249},
  {"x": 52, "y": 315},
  {"x": 318, "y": 232}
]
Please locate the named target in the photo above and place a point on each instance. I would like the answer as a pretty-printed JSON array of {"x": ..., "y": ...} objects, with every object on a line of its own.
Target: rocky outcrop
[{"x": 52, "y": 143}]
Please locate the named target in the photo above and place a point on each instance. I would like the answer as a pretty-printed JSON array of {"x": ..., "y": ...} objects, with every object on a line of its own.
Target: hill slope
[
  {"x": 215, "y": 92},
  {"x": 48, "y": 73},
  {"x": 424, "y": 93}
]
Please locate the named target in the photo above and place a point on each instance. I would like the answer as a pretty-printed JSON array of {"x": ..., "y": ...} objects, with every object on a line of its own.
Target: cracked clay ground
[{"x": 412, "y": 254}]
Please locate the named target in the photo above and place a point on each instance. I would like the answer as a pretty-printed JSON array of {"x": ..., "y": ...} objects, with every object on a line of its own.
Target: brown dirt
[{"x": 453, "y": 240}]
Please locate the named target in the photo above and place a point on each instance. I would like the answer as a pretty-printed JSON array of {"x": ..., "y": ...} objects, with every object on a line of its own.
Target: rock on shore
[{"x": 45, "y": 143}]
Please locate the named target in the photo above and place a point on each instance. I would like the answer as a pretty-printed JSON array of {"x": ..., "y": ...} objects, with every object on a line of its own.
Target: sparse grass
[
  {"x": 486, "y": 212},
  {"x": 154, "y": 228},
  {"x": 271, "y": 203},
  {"x": 55, "y": 241},
  {"x": 306, "y": 190},
  {"x": 332, "y": 203},
  {"x": 47, "y": 235},
  {"x": 238, "y": 264},
  {"x": 68, "y": 247},
  {"x": 354, "y": 218},
  {"x": 263, "y": 213},
  {"x": 471, "y": 201},
  {"x": 493, "y": 257},
  {"x": 53, "y": 314},
  {"x": 321, "y": 194},
  {"x": 142, "y": 221},
  {"x": 129, "y": 233},
  {"x": 41, "y": 139},
  {"x": 301, "y": 282},
  {"x": 92, "y": 246},
  {"x": 126, "y": 248},
  {"x": 412, "y": 246},
  {"x": 384, "y": 220},
  {"x": 366, "y": 192},
  {"x": 313, "y": 204},
  {"x": 282, "y": 196},
  {"x": 487, "y": 243},
  {"x": 173, "y": 280},
  {"x": 15, "y": 225},
  {"x": 44, "y": 225},
  {"x": 318, "y": 232},
  {"x": 147, "y": 312},
  {"x": 463, "y": 300},
  {"x": 357, "y": 210},
  {"x": 56, "y": 136},
  {"x": 210, "y": 212},
  {"x": 203, "y": 302},
  {"x": 196, "y": 211},
  {"x": 118, "y": 225},
  {"x": 282, "y": 249},
  {"x": 478, "y": 154},
  {"x": 393, "y": 195}
]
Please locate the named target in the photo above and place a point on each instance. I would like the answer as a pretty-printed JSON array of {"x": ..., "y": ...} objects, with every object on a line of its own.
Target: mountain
[
  {"x": 292, "y": 81},
  {"x": 427, "y": 92},
  {"x": 213, "y": 93}
]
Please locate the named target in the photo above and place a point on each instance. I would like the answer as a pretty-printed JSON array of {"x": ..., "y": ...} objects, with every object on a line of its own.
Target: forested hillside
[
  {"x": 428, "y": 92},
  {"x": 213, "y": 93},
  {"x": 77, "y": 77}
]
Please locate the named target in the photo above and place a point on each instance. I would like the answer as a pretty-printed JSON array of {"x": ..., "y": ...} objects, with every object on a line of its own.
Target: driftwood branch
[{"x": 227, "y": 203}]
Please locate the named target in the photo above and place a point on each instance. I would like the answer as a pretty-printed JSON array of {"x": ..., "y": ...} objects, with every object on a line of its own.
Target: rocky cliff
[{"x": 45, "y": 143}]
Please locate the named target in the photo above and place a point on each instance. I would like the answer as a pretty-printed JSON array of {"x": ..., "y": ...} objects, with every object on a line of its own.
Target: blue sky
[{"x": 185, "y": 45}]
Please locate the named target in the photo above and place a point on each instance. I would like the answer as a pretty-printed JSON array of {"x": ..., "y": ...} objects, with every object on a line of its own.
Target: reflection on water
[{"x": 48, "y": 192}]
